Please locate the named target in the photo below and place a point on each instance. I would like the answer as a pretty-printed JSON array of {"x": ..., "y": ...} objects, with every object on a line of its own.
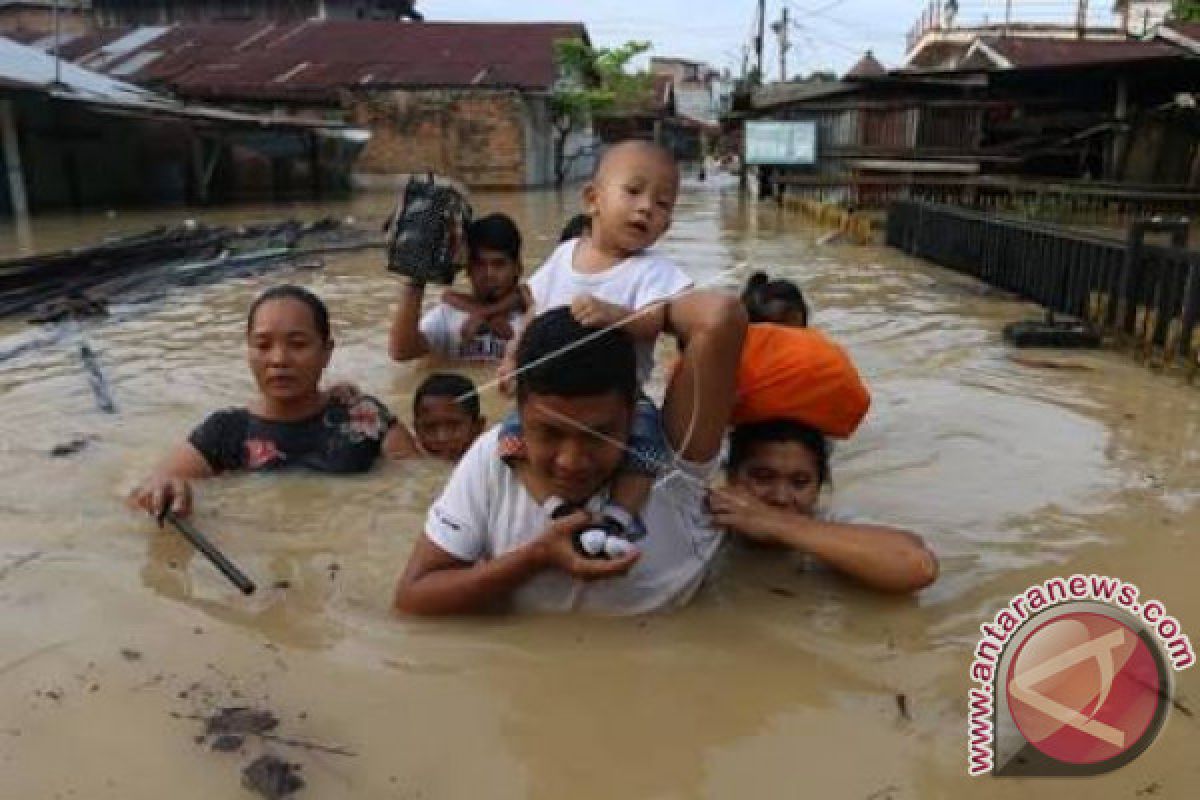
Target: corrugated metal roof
[
  {"x": 1034, "y": 52},
  {"x": 113, "y": 51},
  {"x": 25, "y": 68},
  {"x": 781, "y": 94},
  {"x": 261, "y": 60},
  {"x": 32, "y": 68}
]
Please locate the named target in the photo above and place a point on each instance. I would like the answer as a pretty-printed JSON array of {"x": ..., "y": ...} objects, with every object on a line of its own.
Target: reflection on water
[{"x": 1011, "y": 472}]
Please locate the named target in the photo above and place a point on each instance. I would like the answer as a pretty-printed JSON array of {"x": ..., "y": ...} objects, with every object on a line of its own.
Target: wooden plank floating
[
  {"x": 57, "y": 285},
  {"x": 1142, "y": 296}
]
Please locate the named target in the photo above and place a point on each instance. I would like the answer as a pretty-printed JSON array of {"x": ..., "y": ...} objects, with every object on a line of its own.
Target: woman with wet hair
[
  {"x": 291, "y": 422},
  {"x": 775, "y": 473},
  {"x": 778, "y": 301}
]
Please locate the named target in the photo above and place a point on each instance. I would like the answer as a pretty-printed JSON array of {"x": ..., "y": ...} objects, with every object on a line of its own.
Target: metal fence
[{"x": 1141, "y": 294}]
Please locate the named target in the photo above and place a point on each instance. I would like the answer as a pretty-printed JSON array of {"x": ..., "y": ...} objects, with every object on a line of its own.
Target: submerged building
[
  {"x": 471, "y": 100},
  {"x": 74, "y": 138},
  {"x": 1016, "y": 117}
]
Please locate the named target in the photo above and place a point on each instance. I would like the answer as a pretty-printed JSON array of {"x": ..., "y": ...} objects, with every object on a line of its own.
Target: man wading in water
[{"x": 490, "y": 538}]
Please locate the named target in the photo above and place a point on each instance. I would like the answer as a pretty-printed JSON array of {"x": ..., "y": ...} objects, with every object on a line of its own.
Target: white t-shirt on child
[
  {"x": 648, "y": 277},
  {"x": 442, "y": 328},
  {"x": 485, "y": 511}
]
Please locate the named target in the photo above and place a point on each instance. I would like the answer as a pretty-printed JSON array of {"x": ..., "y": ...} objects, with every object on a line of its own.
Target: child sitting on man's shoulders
[{"x": 611, "y": 276}]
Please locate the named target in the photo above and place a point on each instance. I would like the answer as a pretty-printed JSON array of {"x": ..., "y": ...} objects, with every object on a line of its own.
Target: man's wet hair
[
  {"x": 449, "y": 384},
  {"x": 761, "y": 292},
  {"x": 558, "y": 356},
  {"x": 320, "y": 313},
  {"x": 749, "y": 435},
  {"x": 494, "y": 232},
  {"x": 576, "y": 227}
]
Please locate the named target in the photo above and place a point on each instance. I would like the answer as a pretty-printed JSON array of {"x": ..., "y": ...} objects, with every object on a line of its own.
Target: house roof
[
  {"x": 1017, "y": 52},
  {"x": 29, "y": 70},
  {"x": 867, "y": 67},
  {"x": 1189, "y": 29},
  {"x": 781, "y": 94},
  {"x": 313, "y": 60},
  {"x": 1184, "y": 34}
]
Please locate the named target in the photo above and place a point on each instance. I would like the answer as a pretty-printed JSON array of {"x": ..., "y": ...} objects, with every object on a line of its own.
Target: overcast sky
[{"x": 826, "y": 34}]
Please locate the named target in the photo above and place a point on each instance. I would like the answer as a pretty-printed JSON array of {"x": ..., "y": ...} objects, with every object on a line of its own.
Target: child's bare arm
[
  {"x": 516, "y": 300},
  {"x": 508, "y": 364},
  {"x": 513, "y": 301},
  {"x": 461, "y": 301},
  {"x": 644, "y": 324}
]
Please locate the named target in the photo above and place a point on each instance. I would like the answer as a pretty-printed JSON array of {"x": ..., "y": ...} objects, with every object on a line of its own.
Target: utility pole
[
  {"x": 1081, "y": 18},
  {"x": 780, "y": 29},
  {"x": 758, "y": 38},
  {"x": 57, "y": 67}
]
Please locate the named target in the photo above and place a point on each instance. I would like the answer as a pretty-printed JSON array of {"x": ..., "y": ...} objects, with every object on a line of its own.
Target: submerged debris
[
  {"x": 241, "y": 720},
  {"x": 226, "y": 743},
  {"x": 18, "y": 562},
  {"x": 73, "y": 304},
  {"x": 70, "y": 448},
  {"x": 902, "y": 706},
  {"x": 82, "y": 281},
  {"x": 1047, "y": 363},
  {"x": 272, "y": 777}
]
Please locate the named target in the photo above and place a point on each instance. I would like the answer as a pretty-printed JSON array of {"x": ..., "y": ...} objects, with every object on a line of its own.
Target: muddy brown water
[{"x": 773, "y": 683}]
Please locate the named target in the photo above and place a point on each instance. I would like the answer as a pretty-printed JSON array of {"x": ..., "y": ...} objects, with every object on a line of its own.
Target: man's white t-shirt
[
  {"x": 648, "y": 277},
  {"x": 485, "y": 511},
  {"x": 442, "y": 328}
]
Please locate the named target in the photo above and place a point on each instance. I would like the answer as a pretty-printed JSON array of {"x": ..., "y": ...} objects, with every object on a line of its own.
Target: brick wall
[{"x": 477, "y": 137}]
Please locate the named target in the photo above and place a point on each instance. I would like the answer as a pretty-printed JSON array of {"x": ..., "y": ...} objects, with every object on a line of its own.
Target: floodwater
[{"x": 774, "y": 683}]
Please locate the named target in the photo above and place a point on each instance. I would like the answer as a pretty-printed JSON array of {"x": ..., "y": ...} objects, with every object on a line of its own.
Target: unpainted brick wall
[{"x": 477, "y": 137}]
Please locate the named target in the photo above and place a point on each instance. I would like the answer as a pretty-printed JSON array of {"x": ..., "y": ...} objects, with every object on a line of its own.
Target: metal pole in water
[
  {"x": 210, "y": 551},
  {"x": 96, "y": 380}
]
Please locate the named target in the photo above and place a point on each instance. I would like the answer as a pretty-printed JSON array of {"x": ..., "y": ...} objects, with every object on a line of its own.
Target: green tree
[
  {"x": 592, "y": 80},
  {"x": 1185, "y": 11}
]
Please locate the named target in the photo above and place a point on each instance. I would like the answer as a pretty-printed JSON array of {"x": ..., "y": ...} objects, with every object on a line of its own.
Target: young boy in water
[
  {"x": 611, "y": 277},
  {"x": 468, "y": 326},
  {"x": 446, "y": 415}
]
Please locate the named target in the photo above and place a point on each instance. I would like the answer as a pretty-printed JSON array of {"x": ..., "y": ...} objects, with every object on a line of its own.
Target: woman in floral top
[{"x": 292, "y": 423}]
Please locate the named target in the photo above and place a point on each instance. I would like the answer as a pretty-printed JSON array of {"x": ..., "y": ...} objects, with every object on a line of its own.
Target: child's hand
[
  {"x": 472, "y": 325},
  {"x": 501, "y": 327},
  {"x": 345, "y": 392},
  {"x": 506, "y": 376},
  {"x": 596, "y": 313},
  {"x": 460, "y": 301}
]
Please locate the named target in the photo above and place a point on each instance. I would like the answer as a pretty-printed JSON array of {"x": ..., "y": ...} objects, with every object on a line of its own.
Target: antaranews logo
[{"x": 1074, "y": 677}]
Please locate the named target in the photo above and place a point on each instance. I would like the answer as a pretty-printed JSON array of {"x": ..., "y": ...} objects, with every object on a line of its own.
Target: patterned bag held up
[{"x": 428, "y": 228}]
